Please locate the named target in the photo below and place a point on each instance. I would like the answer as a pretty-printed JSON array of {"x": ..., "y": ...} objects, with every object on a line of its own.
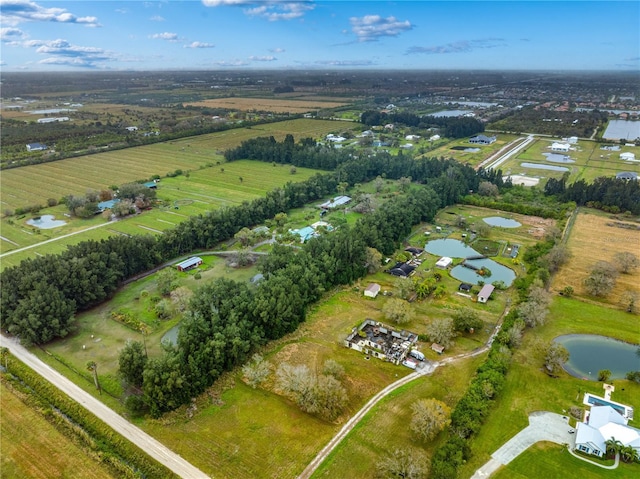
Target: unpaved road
[{"x": 155, "y": 449}]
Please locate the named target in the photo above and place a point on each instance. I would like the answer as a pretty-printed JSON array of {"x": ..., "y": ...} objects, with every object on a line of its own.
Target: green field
[
  {"x": 183, "y": 196},
  {"x": 34, "y": 448},
  {"x": 471, "y": 158},
  {"x": 35, "y": 184}
]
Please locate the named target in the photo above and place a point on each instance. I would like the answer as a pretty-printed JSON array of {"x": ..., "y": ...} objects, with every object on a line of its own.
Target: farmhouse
[
  {"x": 601, "y": 424},
  {"x": 627, "y": 175},
  {"x": 335, "y": 202},
  {"x": 434, "y": 138},
  {"x": 151, "y": 184},
  {"x": 561, "y": 147},
  {"x": 482, "y": 140},
  {"x": 485, "y": 293},
  {"x": 402, "y": 270},
  {"x": 444, "y": 262},
  {"x": 190, "y": 263},
  {"x": 107, "y": 205},
  {"x": 36, "y": 147},
  {"x": 414, "y": 251},
  {"x": 381, "y": 341},
  {"x": 627, "y": 156},
  {"x": 412, "y": 137},
  {"x": 305, "y": 233},
  {"x": 372, "y": 290}
]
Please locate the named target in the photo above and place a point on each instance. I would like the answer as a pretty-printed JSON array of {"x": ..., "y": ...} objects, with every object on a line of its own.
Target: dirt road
[{"x": 140, "y": 438}]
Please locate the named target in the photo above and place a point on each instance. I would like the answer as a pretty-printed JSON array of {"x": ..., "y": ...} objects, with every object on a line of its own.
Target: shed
[
  {"x": 437, "y": 348},
  {"x": 107, "y": 205},
  {"x": 151, "y": 184},
  {"x": 189, "y": 263},
  {"x": 444, "y": 262},
  {"x": 372, "y": 290},
  {"x": 335, "y": 202},
  {"x": 485, "y": 293},
  {"x": 627, "y": 156},
  {"x": 466, "y": 287},
  {"x": 403, "y": 270},
  {"x": 414, "y": 251},
  {"x": 36, "y": 147}
]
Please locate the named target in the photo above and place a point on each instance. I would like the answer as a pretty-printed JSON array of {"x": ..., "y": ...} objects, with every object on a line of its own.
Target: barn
[{"x": 189, "y": 263}]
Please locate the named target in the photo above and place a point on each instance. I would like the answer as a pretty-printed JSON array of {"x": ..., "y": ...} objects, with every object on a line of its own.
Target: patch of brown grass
[
  {"x": 594, "y": 238},
  {"x": 280, "y": 105}
]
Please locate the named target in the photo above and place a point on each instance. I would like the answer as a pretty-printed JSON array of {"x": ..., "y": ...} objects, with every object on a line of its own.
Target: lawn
[
  {"x": 469, "y": 157},
  {"x": 33, "y": 448},
  {"x": 553, "y": 460}
]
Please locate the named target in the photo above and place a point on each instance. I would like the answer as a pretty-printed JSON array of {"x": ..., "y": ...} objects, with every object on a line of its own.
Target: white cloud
[
  {"x": 157, "y": 18},
  {"x": 231, "y": 63},
  {"x": 15, "y": 12},
  {"x": 171, "y": 37},
  {"x": 345, "y": 63},
  {"x": 61, "y": 52},
  {"x": 12, "y": 36},
  {"x": 199, "y": 45},
  {"x": 462, "y": 46},
  {"x": 371, "y": 27},
  {"x": 272, "y": 10},
  {"x": 269, "y": 58},
  {"x": 277, "y": 50}
]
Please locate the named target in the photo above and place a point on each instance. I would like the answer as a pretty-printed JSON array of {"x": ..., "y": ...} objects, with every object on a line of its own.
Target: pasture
[
  {"x": 597, "y": 236},
  {"x": 276, "y": 105},
  {"x": 35, "y": 184},
  {"x": 201, "y": 190},
  {"x": 34, "y": 448},
  {"x": 470, "y": 158}
]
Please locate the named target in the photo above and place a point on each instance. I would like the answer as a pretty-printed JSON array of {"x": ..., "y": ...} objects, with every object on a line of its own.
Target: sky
[{"x": 52, "y": 35}]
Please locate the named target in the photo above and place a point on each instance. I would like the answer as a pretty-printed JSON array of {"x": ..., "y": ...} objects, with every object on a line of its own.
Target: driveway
[{"x": 543, "y": 426}]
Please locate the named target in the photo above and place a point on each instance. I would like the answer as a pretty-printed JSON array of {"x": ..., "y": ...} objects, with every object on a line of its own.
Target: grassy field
[
  {"x": 467, "y": 157},
  {"x": 587, "y": 247},
  {"x": 35, "y": 184},
  {"x": 33, "y": 448},
  {"x": 529, "y": 389},
  {"x": 276, "y": 105},
  {"x": 183, "y": 196},
  {"x": 553, "y": 460}
]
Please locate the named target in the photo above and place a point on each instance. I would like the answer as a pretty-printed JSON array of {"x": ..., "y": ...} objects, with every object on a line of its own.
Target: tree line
[
  {"x": 610, "y": 194},
  {"x": 451, "y": 127}
]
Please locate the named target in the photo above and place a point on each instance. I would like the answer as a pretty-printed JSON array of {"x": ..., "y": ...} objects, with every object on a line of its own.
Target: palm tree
[
  {"x": 93, "y": 367},
  {"x": 613, "y": 446},
  {"x": 628, "y": 454}
]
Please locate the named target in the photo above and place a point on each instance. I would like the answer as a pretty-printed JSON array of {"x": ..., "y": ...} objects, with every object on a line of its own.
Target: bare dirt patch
[
  {"x": 264, "y": 104},
  {"x": 594, "y": 238}
]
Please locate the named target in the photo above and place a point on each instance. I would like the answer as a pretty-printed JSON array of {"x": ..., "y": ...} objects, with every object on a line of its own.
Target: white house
[
  {"x": 131, "y": 128},
  {"x": 444, "y": 262},
  {"x": 36, "y": 147},
  {"x": 572, "y": 140},
  {"x": 485, "y": 293},
  {"x": 482, "y": 140},
  {"x": 372, "y": 290},
  {"x": 434, "y": 138},
  {"x": 561, "y": 147},
  {"x": 627, "y": 156},
  {"x": 601, "y": 424},
  {"x": 412, "y": 137}
]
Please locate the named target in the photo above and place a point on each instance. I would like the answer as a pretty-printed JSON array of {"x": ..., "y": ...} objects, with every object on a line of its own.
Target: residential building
[
  {"x": 36, "y": 147},
  {"x": 372, "y": 290},
  {"x": 482, "y": 140}
]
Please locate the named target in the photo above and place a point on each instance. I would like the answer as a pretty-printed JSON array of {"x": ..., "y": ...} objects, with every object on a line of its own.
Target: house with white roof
[
  {"x": 559, "y": 146},
  {"x": 601, "y": 424},
  {"x": 627, "y": 156}
]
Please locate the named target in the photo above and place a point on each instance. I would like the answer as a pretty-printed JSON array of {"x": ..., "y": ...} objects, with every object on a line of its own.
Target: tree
[
  {"x": 378, "y": 184},
  {"x": 557, "y": 257},
  {"x": 466, "y": 319},
  {"x": 486, "y": 188},
  {"x": 166, "y": 281},
  {"x": 602, "y": 279},
  {"x": 626, "y": 261},
  {"x": 441, "y": 331},
  {"x": 430, "y": 416},
  {"x": 403, "y": 464},
  {"x": 483, "y": 229},
  {"x": 555, "y": 357},
  {"x": 374, "y": 260},
  {"x": 604, "y": 375},
  {"x": 612, "y": 446},
  {"x": 180, "y": 298},
  {"x": 131, "y": 362},
  {"x": 332, "y": 368},
  {"x": 256, "y": 371},
  {"x": 403, "y": 183},
  {"x": 92, "y": 366},
  {"x": 534, "y": 311},
  {"x": 628, "y": 454},
  {"x": 404, "y": 288},
  {"x": 397, "y": 310},
  {"x": 629, "y": 300},
  {"x": 244, "y": 236}
]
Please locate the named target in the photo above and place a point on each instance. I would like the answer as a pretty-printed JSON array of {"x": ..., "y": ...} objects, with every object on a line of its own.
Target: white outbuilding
[
  {"x": 444, "y": 262},
  {"x": 627, "y": 156}
]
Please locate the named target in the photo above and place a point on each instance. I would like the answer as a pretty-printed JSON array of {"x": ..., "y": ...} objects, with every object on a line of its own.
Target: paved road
[
  {"x": 543, "y": 426},
  {"x": 140, "y": 438}
]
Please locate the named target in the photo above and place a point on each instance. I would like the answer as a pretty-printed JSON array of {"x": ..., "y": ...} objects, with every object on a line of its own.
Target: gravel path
[{"x": 140, "y": 438}]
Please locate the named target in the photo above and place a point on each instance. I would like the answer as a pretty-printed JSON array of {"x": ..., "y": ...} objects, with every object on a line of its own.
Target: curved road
[{"x": 151, "y": 446}]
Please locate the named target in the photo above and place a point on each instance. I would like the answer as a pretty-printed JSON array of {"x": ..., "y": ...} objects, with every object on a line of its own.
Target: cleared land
[
  {"x": 32, "y": 447},
  {"x": 596, "y": 236},
  {"x": 471, "y": 158},
  {"x": 34, "y": 184},
  {"x": 280, "y": 105}
]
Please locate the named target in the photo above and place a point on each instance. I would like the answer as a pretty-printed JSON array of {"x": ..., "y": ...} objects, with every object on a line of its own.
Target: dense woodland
[
  {"x": 451, "y": 127},
  {"x": 545, "y": 121}
]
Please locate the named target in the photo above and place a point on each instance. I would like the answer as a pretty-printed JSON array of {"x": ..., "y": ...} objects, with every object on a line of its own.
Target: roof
[
  {"x": 486, "y": 290},
  {"x": 444, "y": 261},
  {"x": 605, "y": 423},
  {"x": 189, "y": 262},
  {"x": 373, "y": 288},
  {"x": 601, "y": 415},
  {"x": 627, "y": 175},
  {"x": 151, "y": 184},
  {"x": 337, "y": 201},
  {"x": 465, "y": 287},
  {"x": 305, "y": 233},
  {"x": 107, "y": 205},
  {"x": 402, "y": 269},
  {"x": 36, "y": 146},
  {"x": 483, "y": 139},
  {"x": 414, "y": 250}
]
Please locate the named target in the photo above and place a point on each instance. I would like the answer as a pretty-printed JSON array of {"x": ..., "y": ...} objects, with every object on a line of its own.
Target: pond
[
  {"x": 457, "y": 249},
  {"x": 590, "y": 353},
  {"x": 502, "y": 222},
  {"x": 46, "y": 222},
  {"x": 539, "y": 166},
  {"x": 618, "y": 129},
  {"x": 450, "y": 113},
  {"x": 556, "y": 158},
  {"x": 171, "y": 335}
]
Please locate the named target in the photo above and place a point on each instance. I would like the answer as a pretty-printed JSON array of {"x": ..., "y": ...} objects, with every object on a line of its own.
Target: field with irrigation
[
  {"x": 181, "y": 196},
  {"x": 32, "y": 447},
  {"x": 35, "y": 184},
  {"x": 597, "y": 236},
  {"x": 276, "y": 105}
]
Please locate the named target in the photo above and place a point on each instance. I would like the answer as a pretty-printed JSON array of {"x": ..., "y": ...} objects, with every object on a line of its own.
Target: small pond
[
  {"x": 450, "y": 113},
  {"x": 457, "y": 249},
  {"x": 171, "y": 335},
  {"x": 502, "y": 222},
  {"x": 46, "y": 222},
  {"x": 556, "y": 158},
  {"x": 538, "y": 166},
  {"x": 589, "y": 353}
]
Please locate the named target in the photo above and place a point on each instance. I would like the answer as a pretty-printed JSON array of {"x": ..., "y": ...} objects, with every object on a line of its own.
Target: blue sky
[{"x": 51, "y": 35}]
